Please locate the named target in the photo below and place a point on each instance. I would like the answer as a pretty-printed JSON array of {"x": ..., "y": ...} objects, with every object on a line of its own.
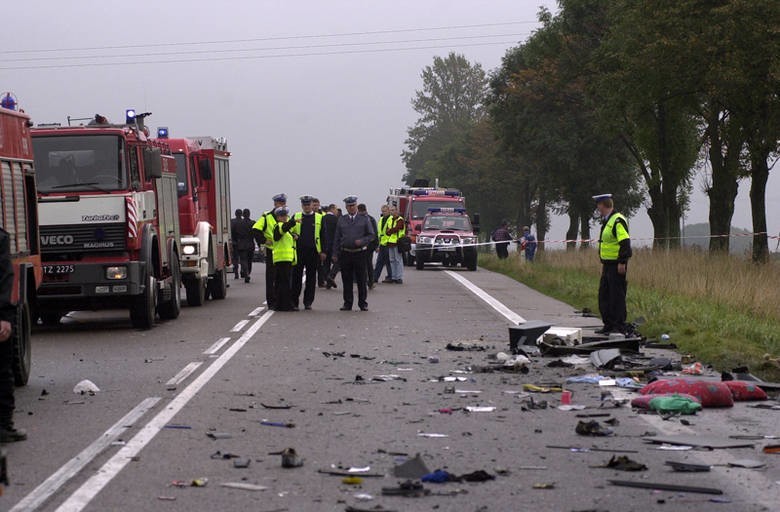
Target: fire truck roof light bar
[{"x": 447, "y": 210}]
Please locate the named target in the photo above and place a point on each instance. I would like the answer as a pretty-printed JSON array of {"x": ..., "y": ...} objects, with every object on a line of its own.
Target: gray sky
[{"x": 327, "y": 125}]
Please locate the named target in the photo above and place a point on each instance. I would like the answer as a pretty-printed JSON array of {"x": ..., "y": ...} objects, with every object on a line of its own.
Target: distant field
[{"x": 723, "y": 309}]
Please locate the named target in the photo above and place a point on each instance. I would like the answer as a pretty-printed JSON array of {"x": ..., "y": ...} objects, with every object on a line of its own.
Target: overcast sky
[{"x": 308, "y": 117}]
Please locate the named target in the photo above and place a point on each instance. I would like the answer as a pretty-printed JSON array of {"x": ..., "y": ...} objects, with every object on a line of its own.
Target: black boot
[{"x": 11, "y": 434}]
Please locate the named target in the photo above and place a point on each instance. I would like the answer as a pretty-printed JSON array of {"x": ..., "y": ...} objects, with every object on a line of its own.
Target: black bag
[{"x": 404, "y": 244}]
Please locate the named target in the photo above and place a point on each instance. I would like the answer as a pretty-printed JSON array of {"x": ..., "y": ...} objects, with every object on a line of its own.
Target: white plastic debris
[
  {"x": 361, "y": 496},
  {"x": 86, "y": 386},
  {"x": 502, "y": 356},
  {"x": 480, "y": 409}
]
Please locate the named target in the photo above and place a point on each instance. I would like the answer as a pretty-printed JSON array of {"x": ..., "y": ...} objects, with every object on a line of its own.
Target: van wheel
[
  {"x": 144, "y": 308},
  {"x": 22, "y": 348}
]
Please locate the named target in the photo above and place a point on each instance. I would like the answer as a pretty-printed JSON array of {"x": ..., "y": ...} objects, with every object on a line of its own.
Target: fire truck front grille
[{"x": 83, "y": 238}]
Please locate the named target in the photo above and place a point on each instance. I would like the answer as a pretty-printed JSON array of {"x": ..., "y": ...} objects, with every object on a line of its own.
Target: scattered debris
[
  {"x": 431, "y": 434},
  {"x": 542, "y": 388},
  {"x": 408, "y": 488},
  {"x": 219, "y": 435},
  {"x": 747, "y": 464},
  {"x": 290, "y": 458},
  {"x": 244, "y": 486},
  {"x": 465, "y": 347},
  {"x": 622, "y": 463},
  {"x": 412, "y": 468},
  {"x": 439, "y": 477},
  {"x": 332, "y": 472},
  {"x": 195, "y": 482},
  {"x": 545, "y": 485},
  {"x": 241, "y": 463},
  {"x": 665, "y": 487},
  {"x": 684, "y": 467},
  {"x": 177, "y": 426},
  {"x": 592, "y": 428},
  {"x": 266, "y": 406},
  {"x": 219, "y": 455},
  {"x": 699, "y": 440},
  {"x": 283, "y": 424},
  {"x": 86, "y": 387},
  {"x": 352, "y": 480},
  {"x": 481, "y": 409},
  {"x": 674, "y": 403}
]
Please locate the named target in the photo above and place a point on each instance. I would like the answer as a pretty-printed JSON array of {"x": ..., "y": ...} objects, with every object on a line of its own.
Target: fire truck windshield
[
  {"x": 452, "y": 222},
  {"x": 420, "y": 208},
  {"x": 79, "y": 163}
]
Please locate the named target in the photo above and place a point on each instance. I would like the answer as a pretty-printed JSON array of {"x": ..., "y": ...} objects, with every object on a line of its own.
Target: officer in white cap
[
  {"x": 353, "y": 236},
  {"x": 264, "y": 235},
  {"x": 614, "y": 252}
]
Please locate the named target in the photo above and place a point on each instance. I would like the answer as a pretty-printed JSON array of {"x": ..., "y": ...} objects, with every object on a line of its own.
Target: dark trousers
[
  {"x": 370, "y": 266},
  {"x": 612, "y": 297},
  {"x": 353, "y": 269},
  {"x": 245, "y": 256},
  {"x": 270, "y": 279},
  {"x": 6, "y": 381},
  {"x": 308, "y": 260},
  {"x": 501, "y": 250},
  {"x": 236, "y": 260},
  {"x": 283, "y": 275},
  {"x": 382, "y": 261}
]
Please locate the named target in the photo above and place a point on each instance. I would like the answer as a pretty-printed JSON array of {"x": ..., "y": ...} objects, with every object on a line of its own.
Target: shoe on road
[
  {"x": 345, "y": 307},
  {"x": 363, "y": 308},
  {"x": 10, "y": 434}
]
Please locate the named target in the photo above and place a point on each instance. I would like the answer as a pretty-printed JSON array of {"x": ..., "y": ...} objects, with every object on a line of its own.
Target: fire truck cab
[
  {"x": 109, "y": 221},
  {"x": 446, "y": 236},
  {"x": 19, "y": 217},
  {"x": 203, "y": 188}
]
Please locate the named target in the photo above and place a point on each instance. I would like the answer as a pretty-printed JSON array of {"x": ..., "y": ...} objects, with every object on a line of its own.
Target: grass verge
[{"x": 715, "y": 331}]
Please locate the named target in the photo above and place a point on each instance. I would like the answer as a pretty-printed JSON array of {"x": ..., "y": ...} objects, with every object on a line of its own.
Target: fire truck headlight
[
  {"x": 115, "y": 273},
  {"x": 189, "y": 249}
]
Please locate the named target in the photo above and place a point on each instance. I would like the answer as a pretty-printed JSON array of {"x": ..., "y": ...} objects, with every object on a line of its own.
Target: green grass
[{"x": 723, "y": 335}]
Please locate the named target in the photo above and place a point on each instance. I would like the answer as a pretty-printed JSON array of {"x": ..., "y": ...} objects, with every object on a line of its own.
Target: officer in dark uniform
[
  {"x": 354, "y": 234},
  {"x": 234, "y": 241},
  {"x": 614, "y": 252},
  {"x": 8, "y": 433},
  {"x": 373, "y": 246},
  {"x": 310, "y": 251},
  {"x": 329, "y": 222},
  {"x": 246, "y": 243},
  {"x": 264, "y": 234}
]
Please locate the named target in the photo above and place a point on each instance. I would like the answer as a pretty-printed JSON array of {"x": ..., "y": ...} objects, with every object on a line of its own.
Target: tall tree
[{"x": 449, "y": 103}]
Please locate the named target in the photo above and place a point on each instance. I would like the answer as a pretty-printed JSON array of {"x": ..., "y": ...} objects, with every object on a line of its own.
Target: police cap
[
  {"x": 282, "y": 210},
  {"x": 602, "y": 197},
  {"x": 280, "y": 198},
  {"x": 306, "y": 199},
  {"x": 350, "y": 200}
]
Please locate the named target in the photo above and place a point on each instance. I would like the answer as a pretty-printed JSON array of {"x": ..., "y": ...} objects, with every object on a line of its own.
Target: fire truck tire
[
  {"x": 419, "y": 263},
  {"x": 170, "y": 310},
  {"x": 218, "y": 285},
  {"x": 21, "y": 345},
  {"x": 144, "y": 309},
  {"x": 196, "y": 292}
]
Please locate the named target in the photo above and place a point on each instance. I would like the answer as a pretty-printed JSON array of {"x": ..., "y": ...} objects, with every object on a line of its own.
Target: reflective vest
[
  {"x": 612, "y": 234},
  {"x": 393, "y": 237},
  {"x": 383, "y": 236},
  {"x": 266, "y": 225},
  {"x": 284, "y": 248},
  {"x": 317, "y": 228}
]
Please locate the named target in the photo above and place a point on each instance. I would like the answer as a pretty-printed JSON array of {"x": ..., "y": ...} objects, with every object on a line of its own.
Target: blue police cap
[
  {"x": 282, "y": 210},
  {"x": 350, "y": 200},
  {"x": 601, "y": 197},
  {"x": 280, "y": 198},
  {"x": 306, "y": 199}
]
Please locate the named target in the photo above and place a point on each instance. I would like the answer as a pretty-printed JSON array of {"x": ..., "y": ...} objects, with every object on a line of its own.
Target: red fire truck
[
  {"x": 413, "y": 204},
  {"x": 202, "y": 166},
  {"x": 20, "y": 220},
  {"x": 109, "y": 220}
]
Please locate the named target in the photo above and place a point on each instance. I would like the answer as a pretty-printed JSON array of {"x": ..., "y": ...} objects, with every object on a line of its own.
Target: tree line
[{"x": 633, "y": 98}]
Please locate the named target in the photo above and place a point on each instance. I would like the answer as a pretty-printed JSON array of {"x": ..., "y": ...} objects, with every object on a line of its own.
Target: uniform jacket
[{"x": 348, "y": 231}]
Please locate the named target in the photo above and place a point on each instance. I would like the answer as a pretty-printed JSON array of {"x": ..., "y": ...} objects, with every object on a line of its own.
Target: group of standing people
[
  {"x": 319, "y": 244},
  {"x": 526, "y": 244}
]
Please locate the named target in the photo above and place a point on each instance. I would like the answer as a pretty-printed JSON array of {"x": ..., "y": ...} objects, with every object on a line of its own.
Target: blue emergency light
[
  {"x": 162, "y": 132},
  {"x": 130, "y": 116}
]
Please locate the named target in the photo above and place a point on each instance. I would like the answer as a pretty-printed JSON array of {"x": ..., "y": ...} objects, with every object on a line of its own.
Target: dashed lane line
[
  {"x": 487, "y": 298},
  {"x": 240, "y": 325},
  {"x": 256, "y": 311},
  {"x": 216, "y": 347},
  {"x": 182, "y": 375},
  {"x": 40, "y": 494},
  {"x": 87, "y": 492}
]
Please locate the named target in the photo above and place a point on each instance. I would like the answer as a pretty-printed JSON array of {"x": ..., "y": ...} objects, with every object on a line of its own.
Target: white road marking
[
  {"x": 490, "y": 300},
  {"x": 256, "y": 311},
  {"x": 40, "y": 494},
  {"x": 183, "y": 374},
  {"x": 213, "y": 349},
  {"x": 240, "y": 325},
  {"x": 86, "y": 493}
]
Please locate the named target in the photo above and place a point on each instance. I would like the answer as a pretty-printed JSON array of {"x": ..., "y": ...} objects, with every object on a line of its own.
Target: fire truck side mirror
[
  {"x": 204, "y": 166},
  {"x": 152, "y": 163}
]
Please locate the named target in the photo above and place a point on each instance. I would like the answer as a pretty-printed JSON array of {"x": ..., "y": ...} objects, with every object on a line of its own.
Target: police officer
[
  {"x": 234, "y": 241},
  {"x": 353, "y": 236},
  {"x": 284, "y": 256},
  {"x": 395, "y": 229},
  {"x": 382, "y": 258},
  {"x": 311, "y": 253},
  {"x": 329, "y": 221},
  {"x": 245, "y": 241},
  {"x": 614, "y": 252},
  {"x": 264, "y": 234},
  {"x": 8, "y": 433}
]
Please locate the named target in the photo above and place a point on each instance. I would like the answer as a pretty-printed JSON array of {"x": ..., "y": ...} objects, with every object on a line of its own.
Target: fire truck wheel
[
  {"x": 144, "y": 308},
  {"x": 21, "y": 347},
  {"x": 171, "y": 309},
  {"x": 196, "y": 292},
  {"x": 218, "y": 285}
]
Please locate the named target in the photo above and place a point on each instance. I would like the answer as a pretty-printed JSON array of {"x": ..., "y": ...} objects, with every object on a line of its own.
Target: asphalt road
[{"x": 116, "y": 450}]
